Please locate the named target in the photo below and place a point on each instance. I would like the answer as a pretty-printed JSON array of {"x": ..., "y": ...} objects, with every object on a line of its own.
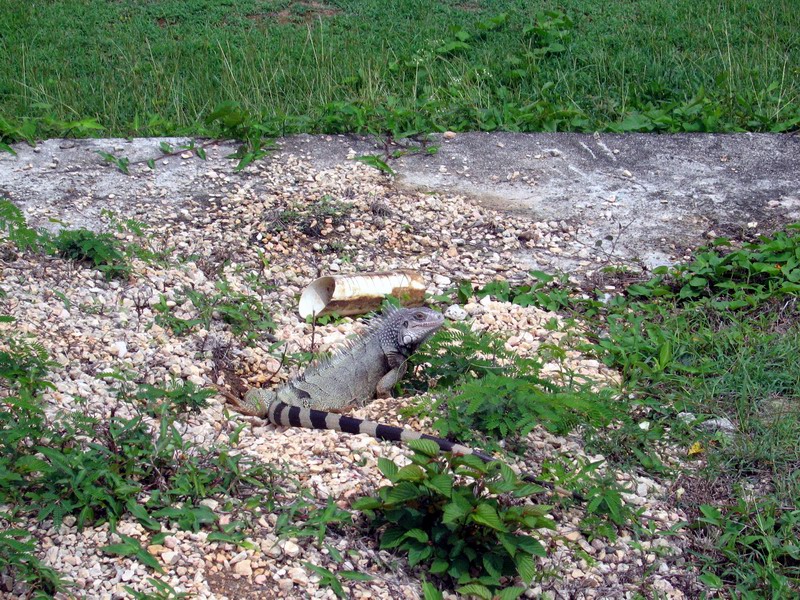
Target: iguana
[{"x": 365, "y": 368}]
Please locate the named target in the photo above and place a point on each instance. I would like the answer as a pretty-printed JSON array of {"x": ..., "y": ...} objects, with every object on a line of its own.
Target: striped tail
[{"x": 283, "y": 414}]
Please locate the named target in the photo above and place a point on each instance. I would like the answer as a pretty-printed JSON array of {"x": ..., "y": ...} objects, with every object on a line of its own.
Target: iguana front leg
[{"x": 398, "y": 364}]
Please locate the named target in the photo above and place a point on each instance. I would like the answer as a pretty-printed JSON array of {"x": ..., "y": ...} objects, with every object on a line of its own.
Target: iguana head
[{"x": 408, "y": 328}]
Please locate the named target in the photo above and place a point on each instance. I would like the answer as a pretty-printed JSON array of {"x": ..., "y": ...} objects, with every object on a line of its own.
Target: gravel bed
[{"x": 310, "y": 223}]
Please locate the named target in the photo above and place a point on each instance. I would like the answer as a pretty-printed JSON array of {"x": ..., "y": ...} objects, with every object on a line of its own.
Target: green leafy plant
[
  {"x": 466, "y": 521},
  {"x": 550, "y": 32},
  {"x": 131, "y": 547},
  {"x": 23, "y": 366},
  {"x": 244, "y": 313},
  {"x": 15, "y": 227},
  {"x": 177, "y": 398},
  {"x": 374, "y": 160},
  {"x": 162, "y": 591},
  {"x": 499, "y": 408},
  {"x": 329, "y": 579},
  {"x": 310, "y": 218},
  {"x": 18, "y": 561},
  {"x": 456, "y": 353},
  {"x": 234, "y": 122},
  {"x": 121, "y": 162},
  {"x": 315, "y": 521},
  {"x": 759, "y": 545},
  {"x": 101, "y": 250}
]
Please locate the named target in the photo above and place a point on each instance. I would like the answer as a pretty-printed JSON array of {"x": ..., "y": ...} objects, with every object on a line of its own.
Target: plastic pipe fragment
[{"x": 360, "y": 293}]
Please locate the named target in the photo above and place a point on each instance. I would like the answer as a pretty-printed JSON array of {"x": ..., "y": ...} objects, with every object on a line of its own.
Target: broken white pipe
[{"x": 360, "y": 293}]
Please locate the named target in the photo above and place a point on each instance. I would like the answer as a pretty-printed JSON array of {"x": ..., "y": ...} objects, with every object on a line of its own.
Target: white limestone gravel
[{"x": 91, "y": 326}]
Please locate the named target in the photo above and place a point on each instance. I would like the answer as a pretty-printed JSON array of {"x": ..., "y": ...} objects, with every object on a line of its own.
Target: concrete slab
[
  {"x": 634, "y": 195},
  {"x": 637, "y": 198}
]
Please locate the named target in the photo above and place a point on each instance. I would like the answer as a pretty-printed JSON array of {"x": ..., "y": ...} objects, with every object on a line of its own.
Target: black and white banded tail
[{"x": 285, "y": 415}]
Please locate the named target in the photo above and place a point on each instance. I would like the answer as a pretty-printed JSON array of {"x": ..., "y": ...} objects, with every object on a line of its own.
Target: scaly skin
[{"x": 364, "y": 369}]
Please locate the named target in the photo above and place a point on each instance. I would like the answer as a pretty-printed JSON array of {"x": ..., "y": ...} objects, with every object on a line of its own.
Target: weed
[
  {"x": 121, "y": 162},
  {"x": 163, "y": 591},
  {"x": 312, "y": 218},
  {"x": 245, "y": 314},
  {"x": 15, "y": 227},
  {"x": 177, "y": 398},
  {"x": 506, "y": 409},
  {"x": 376, "y": 162},
  {"x": 19, "y": 563},
  {"x": 329, "y": 579},
  {"x": 463, "y": 519},
  {"x": 752, "y": 549},
  {"x": 101, "y": 250},
  {"x": 23, "y": 366}
]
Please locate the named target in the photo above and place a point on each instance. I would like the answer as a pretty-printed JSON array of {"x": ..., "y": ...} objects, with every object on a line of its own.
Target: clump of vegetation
[
  {"x": 464, "y": 520},
  {"x": 714, "y": 338},
  {"x": 311, "y": 218},
  {"x": 488, "y": 395},
  {"x": 19, "y": 563},
  {"x": 97, "y": 470},
  {"x": 245, "y": 314},
  {"x": 100, "y": 250}
]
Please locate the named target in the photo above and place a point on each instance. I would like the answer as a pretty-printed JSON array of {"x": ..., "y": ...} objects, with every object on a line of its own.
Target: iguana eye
[{"x": 419, "y": 316}]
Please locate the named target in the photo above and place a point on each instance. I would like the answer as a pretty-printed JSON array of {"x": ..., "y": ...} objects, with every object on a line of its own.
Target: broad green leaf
[
  {"x": 430, "y": 592},
  {"x": 711, "y": 580},
  {"x": 131, "y": 547},
  {"x": 388, "y": 468},
  {"x": 417, "y": 534},
  {"x": 475, "y": 589},
  {"x": 392, "y": 537},
  {"x": 438, "y": 566},
  {"x": 426, "y": 447},
  {"x": 525, "y": 567},
  {"x": 442, "y": 483},
  {"x": 509, "y": 593},
  {"x": 410, "y": 473},
  {"x": 355, "y": 576},
  {"x": 367, "y": 504},
  {"x": 403, "y": 492},
  {"x": 141, "y": 514},
  {"x": 487, "y": 515}
]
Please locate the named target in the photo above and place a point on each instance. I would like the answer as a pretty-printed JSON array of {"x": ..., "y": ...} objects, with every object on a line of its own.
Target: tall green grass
[{"x": 158, "y": 67}]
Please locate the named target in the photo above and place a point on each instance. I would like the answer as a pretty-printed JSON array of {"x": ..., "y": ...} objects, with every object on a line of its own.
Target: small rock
[
  {"x": 243, "y": 568},
  {"x": 291, "y": 549},
  {"x": 285, "y": 585},
  {"x": 455, "y": 313},
  {"x": 449, "y": 135},
  {"x": 210, "y": 503},
  {"x": 119, "y": 349},
  {"x": 298, "y": 576},
  {"x": 170, "y": 557},
  {"x": 442, "y": 280},
  {"x": 722, "y": 424},
  {"x": 572, "y": 536}
]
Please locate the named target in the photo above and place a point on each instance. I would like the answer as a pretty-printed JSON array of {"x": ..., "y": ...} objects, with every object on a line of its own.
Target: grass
[
  {"x": 162, "y": 67},
  {"x": 716, "y": 338},
  {"x": 723, "y": 347}
]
